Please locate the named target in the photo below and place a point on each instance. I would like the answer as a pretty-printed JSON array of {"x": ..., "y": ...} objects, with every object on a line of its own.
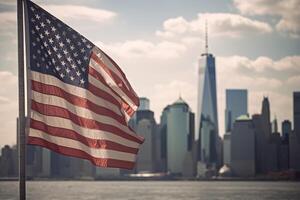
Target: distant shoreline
[{"x": 153, "y": 179}]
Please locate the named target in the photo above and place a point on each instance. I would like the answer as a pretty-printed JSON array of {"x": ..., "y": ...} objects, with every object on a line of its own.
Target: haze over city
[{"x": 256, "y": 45}]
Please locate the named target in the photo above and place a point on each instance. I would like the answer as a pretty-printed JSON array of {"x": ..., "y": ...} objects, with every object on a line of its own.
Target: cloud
[
  {"x": 289, "y": 62},
  {"x": 8, "y": 20},
  {"x": 145, "y": 49},
  {"x": 230, "y": 67},
  {"x": 219, "y": 24},
  {"x": 167, "y": 93},
  {"x": 294, "y": 82},
  {"x": 179, "y": 34},
  {"x": 76, "y": 12},
  {"x": 3, "y": 100},
  {"x": 262, "y": 63},
  {"x": 8, "y": 79},
  {"x": 287, "y": 10},
  {"x": 65, "y": 12}
]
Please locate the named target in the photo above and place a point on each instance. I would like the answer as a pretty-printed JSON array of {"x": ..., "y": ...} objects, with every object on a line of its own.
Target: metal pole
[{"x": 22, "y": 136}]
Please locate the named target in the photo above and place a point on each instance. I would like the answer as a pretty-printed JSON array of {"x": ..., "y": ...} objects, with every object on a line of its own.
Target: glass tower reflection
[{"x": 207, "y": 117}]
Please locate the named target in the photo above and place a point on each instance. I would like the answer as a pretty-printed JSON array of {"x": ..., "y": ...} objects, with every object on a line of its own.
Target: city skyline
[
  {"x": 256, "y": 48},
  {"x": 251, "y": 149}
]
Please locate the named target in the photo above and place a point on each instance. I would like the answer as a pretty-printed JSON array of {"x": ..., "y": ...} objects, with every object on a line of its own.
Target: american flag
[{"x": 81, "y": 100}]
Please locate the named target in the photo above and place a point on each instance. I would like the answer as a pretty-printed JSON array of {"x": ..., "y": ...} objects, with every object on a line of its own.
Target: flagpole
[{"x": 22, "y": 136}]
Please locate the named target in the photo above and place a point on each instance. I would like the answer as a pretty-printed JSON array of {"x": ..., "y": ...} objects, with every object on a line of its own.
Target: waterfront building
[
  {"x": 7, "y": 162},
  {"x": 144, "y": 104},
  {"x": 294, "y": 138},
  {"x": 296, "y": 111},
  {"x": 178, "y": 134},
  {"x": 265, "y": 117},
  {"x": 243, "y": 147},
  {"x": 207, "y": 117},
  {"x": 163, "y": 139},
  {"x": 146, "y": 157},
  {"x": 227, "y": 149},
  {"x": 207, "y": 113},
  {"x": 286, "y": 129}
]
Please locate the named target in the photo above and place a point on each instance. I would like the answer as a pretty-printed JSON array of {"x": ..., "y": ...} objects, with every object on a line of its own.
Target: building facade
[
  {"x": 144, "y": 104},
  {"x": 286, "y": 129},
  {"x": 243, "y": 147},
  {"x": 294, "y": 138},
  {"x": 147, "y": 154},
  {"x": 236, "y": 105},
  {"x": 178, "y": 134},
  {"x": 207, "y": 113},
  {"x": 296, "y": 111},
  {"x": 227, "y": 149}
]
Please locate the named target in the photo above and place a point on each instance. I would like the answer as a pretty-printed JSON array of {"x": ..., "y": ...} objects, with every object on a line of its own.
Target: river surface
[{"x": 152, "y": 190}]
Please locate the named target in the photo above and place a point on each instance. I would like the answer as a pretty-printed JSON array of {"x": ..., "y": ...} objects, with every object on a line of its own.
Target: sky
[{"x": 158, "y": 43}]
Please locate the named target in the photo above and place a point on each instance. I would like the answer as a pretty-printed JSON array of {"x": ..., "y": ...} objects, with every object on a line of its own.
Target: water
[{"x": 153, "y": 190}]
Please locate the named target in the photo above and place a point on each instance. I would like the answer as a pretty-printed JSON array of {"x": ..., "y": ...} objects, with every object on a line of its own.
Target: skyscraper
[
  {"x": 294, "y": 138},
  {"x": 146, "y": 127},
  {"x": 178, "y": 132},
  {"x": 207, "y": 113},
  {"x": 236, "y": 105},
  {"x": 144, "y": 124},
  {"x": 265, "y": 117},
  {"x": 261, "y": 143},
  {"x": 274, "y": 125},
  {"x": 163, "y": 138},
  {"x": 270, "y": 153},
  {"x": 286, "y": 129},
  {"x": 144, "y": 104},
  {"x": 227, "y": 149},
  {"x": 297, "y": 114},
  {"x": 243, "y": 147}
]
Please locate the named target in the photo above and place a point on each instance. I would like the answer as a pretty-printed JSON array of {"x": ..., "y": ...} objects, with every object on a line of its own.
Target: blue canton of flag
[{"x": 57, "y": 49}]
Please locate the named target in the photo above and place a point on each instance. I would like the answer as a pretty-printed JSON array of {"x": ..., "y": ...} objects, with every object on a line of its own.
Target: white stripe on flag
[
  {"x": 77, "y": 91},
  {"x": 112, "y": 83},
  {"x": 79, "y": 111},
  {"x": 86, "y": 132},
  {"x": 97, "y": 153},
  {"x": 110, "y": 65},
  {"x": 94, "y": 81}
]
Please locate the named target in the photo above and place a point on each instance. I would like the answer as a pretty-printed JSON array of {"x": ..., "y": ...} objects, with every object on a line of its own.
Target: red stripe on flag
[
  {"x": 120, "y": 71},
  {"x": 101, "y": 162},
  {"x": 56, "y": 111},
  {"x": 93, "y": 143},
  {"x": 126, "y": 107},
  {"x": 75, "y": 100},
  {"x": 99, "y": 93},
  {"x": 116, "y": 78}
]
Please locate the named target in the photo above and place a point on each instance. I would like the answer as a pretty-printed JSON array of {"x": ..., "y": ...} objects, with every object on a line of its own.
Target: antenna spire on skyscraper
[{"x": 206, "y": 37}]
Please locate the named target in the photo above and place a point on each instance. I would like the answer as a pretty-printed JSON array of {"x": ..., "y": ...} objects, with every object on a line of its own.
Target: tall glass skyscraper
[
  {"x": 236, "y": 105},
  {"x": 178, "y": 131},
  {"x": 297, "y": 114},
  {"x": 207, "y": 113},
  {"x": 294, "y": 137},
  {"x": 144, "y": 104}
]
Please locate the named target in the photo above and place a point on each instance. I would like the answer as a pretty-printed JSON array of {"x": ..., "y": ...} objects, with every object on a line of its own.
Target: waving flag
[{"x": 81, "y": 100}]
